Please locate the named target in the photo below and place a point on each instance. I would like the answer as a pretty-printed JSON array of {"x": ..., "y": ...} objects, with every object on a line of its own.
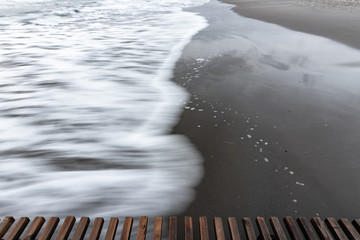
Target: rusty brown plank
[
  {"x": 349, "y": 229},
  {"x": 49, "y": 228},
  {"x": 204, "y": 229},
  {"x": 278, "y": 230},
  {"x": 263, "y": 229},
  {"x": 18, "y": 229},
  {"x": 141, "y": 234},
  {"x": 65, "y": 228},
  {"x": 81, "y": 228},
  {"x": 234, "y": 230},
  {"x": 5, "y": 225},
  {"x": 111, "y": 231},
  {"x": 330, "y": 230},
  {"x": 96, "y": 229},
  {"x": 307, "y": 230},
  {"x": 249, "y": 229},
  {"x": 321, "y": 229},
  {"x": 172, "y": 228},
  {"x": 126, "y": 231},
  {"x": 292, "y": 228},
  {"x": 157, "y": 228},
  {"x": 356, "y": 223},
  {"x": 219, "y": 229},
  {"x": 34, "y": 228},
  {"x": 189, "y": 232},
  {"x": 335, "y": 229}
]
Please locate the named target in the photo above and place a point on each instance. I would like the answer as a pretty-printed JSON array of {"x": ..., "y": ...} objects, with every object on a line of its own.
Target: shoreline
[
  {"x": 341, "y": 24},
  {"x": 266, "y": 123}
]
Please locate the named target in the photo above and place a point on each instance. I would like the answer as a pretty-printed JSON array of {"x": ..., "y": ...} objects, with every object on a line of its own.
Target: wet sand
[
  {"x": 320, "y": 17},
  {"x": 278, "y": 127}
]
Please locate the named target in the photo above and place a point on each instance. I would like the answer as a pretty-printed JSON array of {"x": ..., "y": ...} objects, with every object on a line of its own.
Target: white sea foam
[{"x": 86, "y": 107}]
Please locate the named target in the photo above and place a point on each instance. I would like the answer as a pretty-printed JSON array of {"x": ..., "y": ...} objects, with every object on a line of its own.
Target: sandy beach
[
  {"x": 274, "y": 112},
  {"x": 337, "y": 20},
  {"x": 264, "y": 104}
]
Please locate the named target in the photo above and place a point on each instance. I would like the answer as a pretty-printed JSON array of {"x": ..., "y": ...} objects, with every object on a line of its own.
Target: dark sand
[
  {"x": 303, "y": 155},
  {"x": 339, "y": 23}
]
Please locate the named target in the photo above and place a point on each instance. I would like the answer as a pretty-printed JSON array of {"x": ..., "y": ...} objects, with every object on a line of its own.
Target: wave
[{"x": 86, "y": 107}]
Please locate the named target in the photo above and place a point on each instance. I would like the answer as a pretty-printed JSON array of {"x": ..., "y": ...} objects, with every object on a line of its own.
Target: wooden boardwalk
[{"x": 301, "y": 229}]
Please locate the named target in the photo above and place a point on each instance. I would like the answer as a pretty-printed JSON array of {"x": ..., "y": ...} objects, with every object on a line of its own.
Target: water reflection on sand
[{"x": 254, "y": 82}]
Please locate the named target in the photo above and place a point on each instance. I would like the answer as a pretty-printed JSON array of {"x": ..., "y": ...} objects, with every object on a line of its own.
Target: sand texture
[
  {"x": 275, "y": 114},
  {"x": 338, "y": 20}
]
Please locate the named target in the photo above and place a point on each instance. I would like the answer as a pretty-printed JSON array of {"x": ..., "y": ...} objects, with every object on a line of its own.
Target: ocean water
[{"x": 86, "y": 107}]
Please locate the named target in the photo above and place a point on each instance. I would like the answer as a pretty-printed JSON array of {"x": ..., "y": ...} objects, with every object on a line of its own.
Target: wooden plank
[
  {"x": 5, "y": 225},
  {"x": 349, "y": 229},
  {"x": 263, "y": 229},
  {"x": 335, "y": 229},
  {"x": 307, "y": 230},
  {"x": 278, "y": 230},
  {"x": 219, "y": 229},
  {"x": 126, "y": 231},
  {"x": 18, "y": 229},
  {"x": 34, "y": 228},
  {"x": 141, "y": 234},
  {"x": 292, "y": 228},
  {"x": 321, "y": 229},
  {"x": 65, "y": 229},
  {"x": 189, "y": 232},
  {"x": 249, "y": 229},
  {"x": 111, "y": 231},
  {"x": 157, "y": 228},
  {"x": 49, "y": 228},
  {"x": 81, "y": 228},
  {"x": 234, "y": 230},
  {"x": 96, "y": 229},
  {"x": 356, "y": 223},
  {"x": 204, "y": 230},
  {"x": 172, "y": 228},
  {"x": 341, "y": 230}
]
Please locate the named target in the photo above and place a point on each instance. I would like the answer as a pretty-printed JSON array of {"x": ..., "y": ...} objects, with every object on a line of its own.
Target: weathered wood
[
  {"x": 188, "y": 228},
  {"x": 111, "y": 231},
  {"x": 96, "y": 229},
  {"x": 264, "y": 231},
  {"x": 349, "y": 229},
  {"x": 356, "y": 223},
  {"x": 249, "y": 229},
  {"x": 18, "y": 229},
  {"x": 321, "y": 229},
  {"x": 278, "y": 230},
  {"x": 204, "y": 229},
  {"x": 65, "y": 229},
  {"x": 307, "y": 230},
  {"x": 328, "y": 230},
  {"x": 141, "y": 234},
  {"x": 126, "y": 231},
  {"x": 49, "y": 228},
  {"x": 157, "y": 228},
  {"x": 172, "y": 228},
  {"x": 34, "y": 228},
  {"x": 234, "y": 230},
  {"x": 5, "y": 225},
  {"x": 81, "y": 228},
  {"x": 292, "y": 228},
  {"x": 219, "y": 229},
  {"x": 335, "y": 229}
]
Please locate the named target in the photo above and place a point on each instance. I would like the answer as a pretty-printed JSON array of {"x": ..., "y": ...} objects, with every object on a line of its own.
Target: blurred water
[{"x": 86, "y": 106}]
